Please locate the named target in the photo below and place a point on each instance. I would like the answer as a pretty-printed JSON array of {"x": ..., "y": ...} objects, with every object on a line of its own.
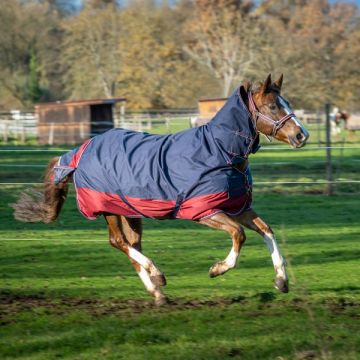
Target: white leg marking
[
  {"x": 140, "y": 258},
  {"x": 276, "y": 257},
  {"x": 231, "y": 258},
  {"x": 150, "y": 286},
  {"x": 145, "y": 262},
  {"x": 145, "y": 278},
  {"x": 221, "y": 267}
]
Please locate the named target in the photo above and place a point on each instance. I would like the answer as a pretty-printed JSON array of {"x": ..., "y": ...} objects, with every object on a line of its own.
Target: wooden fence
[{"x": 21, "y": 126}]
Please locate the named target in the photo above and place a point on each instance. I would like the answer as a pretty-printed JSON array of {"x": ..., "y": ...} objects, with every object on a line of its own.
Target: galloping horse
[{"x": 200, "y": 174}]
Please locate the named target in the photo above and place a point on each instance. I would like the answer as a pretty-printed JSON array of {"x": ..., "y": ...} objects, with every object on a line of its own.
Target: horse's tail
[{"x": 42, "y": 206}]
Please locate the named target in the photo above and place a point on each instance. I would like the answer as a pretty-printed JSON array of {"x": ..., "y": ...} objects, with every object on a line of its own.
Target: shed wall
[
  {"x": 63, "y": 124},
  {"x": 208, "y": 108}
]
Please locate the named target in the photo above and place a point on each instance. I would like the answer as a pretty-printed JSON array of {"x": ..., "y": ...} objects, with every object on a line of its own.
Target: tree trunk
[{"x": 227, "y": 81}]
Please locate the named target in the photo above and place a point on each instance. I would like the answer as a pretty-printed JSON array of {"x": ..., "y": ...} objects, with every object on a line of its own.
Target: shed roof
[
  {"x": 214, "y": 99},
  {"x": 69, "y": 103}
]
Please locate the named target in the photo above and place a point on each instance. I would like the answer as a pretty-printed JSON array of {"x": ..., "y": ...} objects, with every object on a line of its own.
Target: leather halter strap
[{"x": 276, "y": 125}]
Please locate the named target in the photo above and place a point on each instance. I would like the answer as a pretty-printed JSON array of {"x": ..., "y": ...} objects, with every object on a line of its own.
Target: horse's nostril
[{"x": 299, "y": 136}]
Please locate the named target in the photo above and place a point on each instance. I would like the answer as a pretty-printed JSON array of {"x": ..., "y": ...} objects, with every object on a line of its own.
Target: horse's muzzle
[{"x": 299, "y": 140}]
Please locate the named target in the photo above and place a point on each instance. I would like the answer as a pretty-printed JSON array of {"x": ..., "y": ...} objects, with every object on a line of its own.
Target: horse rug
[{"x": 189, "y": 175}]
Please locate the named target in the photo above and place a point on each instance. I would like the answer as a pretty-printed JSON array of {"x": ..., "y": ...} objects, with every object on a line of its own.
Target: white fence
[
  {"x": 18, "y": 125},
  {"x": 23, "y": 125}
]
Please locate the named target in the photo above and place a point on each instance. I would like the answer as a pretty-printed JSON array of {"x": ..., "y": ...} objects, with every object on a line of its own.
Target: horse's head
[
  {"x": 273, "y": 114},
  {"x": 341, "y": 115}
]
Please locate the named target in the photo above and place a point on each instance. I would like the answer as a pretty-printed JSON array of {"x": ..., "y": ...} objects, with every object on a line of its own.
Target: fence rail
[
  {"x": 315, "y": 182},
  {"x": 23, "y": 125},
  {"x": 20, "y": 126},
  {"x": 25, "y": 128},
  {"x": 263, "y": 148}
]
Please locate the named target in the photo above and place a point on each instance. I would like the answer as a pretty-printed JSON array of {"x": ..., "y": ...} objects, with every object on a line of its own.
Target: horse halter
[{"x": 277, "y": 125}]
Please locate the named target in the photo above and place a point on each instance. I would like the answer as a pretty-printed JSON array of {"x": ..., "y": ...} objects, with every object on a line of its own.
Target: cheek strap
[{"x": 276, "y": 125}]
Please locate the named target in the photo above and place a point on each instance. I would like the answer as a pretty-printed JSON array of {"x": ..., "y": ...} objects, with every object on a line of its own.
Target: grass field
[{"x": 65, "y": 293}]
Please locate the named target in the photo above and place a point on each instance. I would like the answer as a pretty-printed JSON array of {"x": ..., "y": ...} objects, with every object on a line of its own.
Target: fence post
[
  {"x": 23, "y": 134},
  {"x": 82, "y": 132},
  {"x": 51, "y": 134},
  {"x": 122, "y": 115},
  {"x": 6, "y": 132},
  {"x": 329, "y": 171},
  {"x": 318, "y": 126}
]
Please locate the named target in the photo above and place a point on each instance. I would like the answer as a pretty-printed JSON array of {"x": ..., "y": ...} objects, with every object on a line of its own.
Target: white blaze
[{"x": 288, "y": 111}]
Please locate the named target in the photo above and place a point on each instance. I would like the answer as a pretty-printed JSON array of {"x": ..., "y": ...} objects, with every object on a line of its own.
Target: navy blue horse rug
[{"x": 190, "y": 175}]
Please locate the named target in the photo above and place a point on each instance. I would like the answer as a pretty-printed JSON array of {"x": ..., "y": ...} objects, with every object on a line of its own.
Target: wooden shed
[
  {"x": 72, "y": 122},
  {"x": 207, "y": 110}
]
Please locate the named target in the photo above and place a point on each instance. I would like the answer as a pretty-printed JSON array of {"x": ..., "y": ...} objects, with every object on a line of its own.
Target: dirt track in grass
[{"x": 12, "y": 304}]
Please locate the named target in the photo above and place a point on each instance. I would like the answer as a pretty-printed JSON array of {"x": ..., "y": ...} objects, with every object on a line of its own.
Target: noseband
[{"x": 276, "y": 125}]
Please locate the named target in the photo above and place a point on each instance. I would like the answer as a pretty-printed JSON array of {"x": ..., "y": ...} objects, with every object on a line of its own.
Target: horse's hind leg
[
  {"x": 226, "y": 223},
  {"x": 125, "y": 235},
  {"x": 252, "y": 221},
  {"x": 132, "y": 229}
]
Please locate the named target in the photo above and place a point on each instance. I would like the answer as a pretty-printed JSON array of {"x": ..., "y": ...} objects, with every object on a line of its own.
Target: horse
[
  {"x": 341, "y": 116},
  {"x": 338, "y": 116},
  {"x": 200, "y": 174}
]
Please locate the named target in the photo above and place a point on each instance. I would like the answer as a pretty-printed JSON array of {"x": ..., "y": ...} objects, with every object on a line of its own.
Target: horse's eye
[{"x": 272, "y": 107}]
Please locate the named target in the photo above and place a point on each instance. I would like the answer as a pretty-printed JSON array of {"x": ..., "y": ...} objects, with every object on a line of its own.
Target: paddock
[{"x": 66, "y": 293}]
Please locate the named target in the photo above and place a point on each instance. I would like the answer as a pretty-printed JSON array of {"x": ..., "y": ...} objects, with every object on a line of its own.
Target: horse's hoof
[
  {"x": 158, "y": 280},
  {"x": 160, "y": 301},
  {"x": 218, "y": 269},
  {"x": 213, "y": 271},
  {"x": 282, "y": 285}
]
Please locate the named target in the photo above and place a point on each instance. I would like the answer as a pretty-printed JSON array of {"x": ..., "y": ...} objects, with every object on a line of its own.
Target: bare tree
[
  {"x": 91, "y": 53},
  {"x": 155, "y": 73},
  {"x": 219, "y": 37}
]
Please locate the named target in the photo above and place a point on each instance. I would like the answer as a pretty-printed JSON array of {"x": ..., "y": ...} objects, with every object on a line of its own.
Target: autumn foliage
[{"x": 167, "y": 56}]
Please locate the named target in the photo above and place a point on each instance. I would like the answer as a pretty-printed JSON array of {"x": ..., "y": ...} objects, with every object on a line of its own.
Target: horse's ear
[
  {"x": 267, "y": 83},
  {"x": 279, "y": 81}
]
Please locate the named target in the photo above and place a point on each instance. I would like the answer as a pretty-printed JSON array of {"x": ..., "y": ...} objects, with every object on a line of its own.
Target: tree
[
  {"x": 91, "y": 52},
  {"x": 34, "y": 89},
  {"x": 22, "y": 30},
  {"x": 168, "y": 56},
  {"x": 347, "y": 71},
  {"x": 308, "y": 41},
  {"x": 220, "y": 38},
  {"x": 155, "y": 72}
]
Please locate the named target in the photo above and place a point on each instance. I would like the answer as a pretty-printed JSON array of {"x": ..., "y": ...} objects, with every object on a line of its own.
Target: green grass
[
  {"x": 63, "y": 296},
  {"x": 267, "y": 165},
  {"x": 175, "y": 125}
]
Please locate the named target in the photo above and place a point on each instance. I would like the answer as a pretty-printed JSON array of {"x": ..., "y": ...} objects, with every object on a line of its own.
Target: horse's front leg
[
  {"x": 226, "y": 223},
  {"x": 252, "y": 221}
]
